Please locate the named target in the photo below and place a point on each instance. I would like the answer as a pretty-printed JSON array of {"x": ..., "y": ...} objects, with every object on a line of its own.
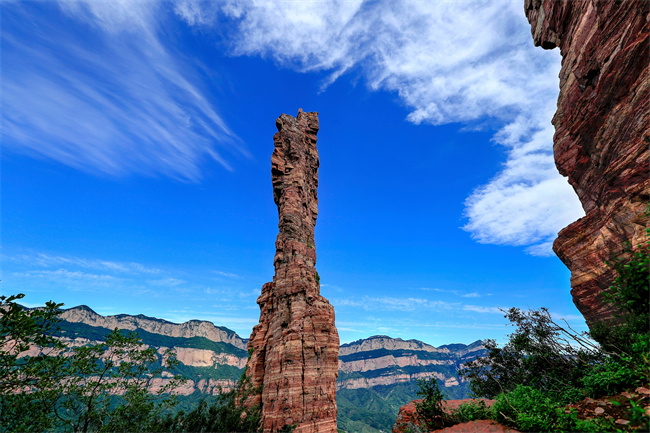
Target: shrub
[
  {"x": 97, "y": 387},
  {"x": 629, "y": 292},
  {"x": 429, "y": 411},
  {"x": 227, "y": 414},
  {"x": 530, "y": 409},
  {"x": 540, "y": 353},
  {"x": 472, "y": 411},
  {"x": 544, "y": 366}
]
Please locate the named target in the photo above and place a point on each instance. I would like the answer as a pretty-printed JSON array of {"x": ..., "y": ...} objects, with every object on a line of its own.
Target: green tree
[
  {"x": 227, "y": 414},
  {"x": 429, "y": 411},
  {"x": 540, "y": 353},
  {"x": 105, "y": 386},
  {"x": 544, "y": 366},
  {"x": 29, "y": 365},
  {"x": 108, "y": 386},
  {"x": 630, "y": 293}
]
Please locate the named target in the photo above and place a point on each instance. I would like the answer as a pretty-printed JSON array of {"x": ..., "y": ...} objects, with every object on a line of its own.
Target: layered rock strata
[
  {"x": 602, "y": 128},
  {"x": 295, "y": 346},
  {"x": 193, "y": 328},
  {"x": 385, "y": 361}
]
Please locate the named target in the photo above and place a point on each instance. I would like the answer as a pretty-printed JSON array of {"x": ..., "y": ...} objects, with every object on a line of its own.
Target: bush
[
  {"x": 540, "y": 353},
  {"x": 227, "y": 414},
  {"x": 429, "y": 411},
  {"x": 545, "y": 366},
  {"x": 97, "y": 387},
  {"x": 530, "y": 409},
  {"x": 629, "y": 292},
  {"x": 472, "y": 411}
]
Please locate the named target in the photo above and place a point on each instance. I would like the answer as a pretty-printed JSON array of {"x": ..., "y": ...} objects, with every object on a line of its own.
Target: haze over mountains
[{"x": 376, "y": 375}]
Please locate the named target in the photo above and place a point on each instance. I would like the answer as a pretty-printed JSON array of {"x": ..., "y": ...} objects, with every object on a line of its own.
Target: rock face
[
  {"x": 295, "y": 346},
  {"x": 602, "y": 128},
  {"x": 212, "y": 357},
  {"x": 376, "y": 375},
  {"x": 385, "y": 361},
  {"x": 193, "y": 328}
]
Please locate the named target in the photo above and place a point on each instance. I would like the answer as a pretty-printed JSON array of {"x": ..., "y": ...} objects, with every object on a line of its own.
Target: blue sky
[{"x": 136, "y": 143}]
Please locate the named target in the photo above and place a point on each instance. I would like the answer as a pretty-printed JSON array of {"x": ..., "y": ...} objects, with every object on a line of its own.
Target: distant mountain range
[{"x": 376, "y": 375}]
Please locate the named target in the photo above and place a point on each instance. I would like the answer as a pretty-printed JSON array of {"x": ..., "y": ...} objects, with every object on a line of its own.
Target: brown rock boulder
[
  {"x": 602, "y": 133},
  {"x": 295, "y": 346},
  {"x": 407, "y": 416}
]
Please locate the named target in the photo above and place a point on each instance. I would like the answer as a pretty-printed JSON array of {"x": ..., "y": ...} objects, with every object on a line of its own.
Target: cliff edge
[{"x": 602, "y": 133}]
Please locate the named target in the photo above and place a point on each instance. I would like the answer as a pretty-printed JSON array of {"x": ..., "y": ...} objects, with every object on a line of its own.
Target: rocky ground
[{"x": 616, "y": 408}]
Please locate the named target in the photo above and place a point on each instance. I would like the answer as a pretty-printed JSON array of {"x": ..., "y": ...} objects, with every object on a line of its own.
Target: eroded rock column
[
  {"x": 295, "y": 346},
  {"x": 602, "y": 128}
]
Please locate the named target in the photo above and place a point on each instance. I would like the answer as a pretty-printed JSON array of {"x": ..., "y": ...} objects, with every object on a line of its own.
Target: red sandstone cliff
[
  {"x": 602, "y": 128},
  {"x": 296, "y": 345}
]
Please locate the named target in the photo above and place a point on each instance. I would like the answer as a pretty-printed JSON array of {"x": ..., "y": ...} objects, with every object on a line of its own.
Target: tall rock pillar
[
  {"x": 602, "y": 133},
  {"x": 295, "y": 346}
]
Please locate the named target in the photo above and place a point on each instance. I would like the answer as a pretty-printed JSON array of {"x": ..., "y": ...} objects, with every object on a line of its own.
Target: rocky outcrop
[
  {"x": 295, "y": 346},
  {"x": 382, "y": 361},
  {"x": 407, "y": 419},
  {"x": 193, "y": 328},
  {"x": 384, "y": 342},
  {"x": 205, "y": 358},
  {"x": 212, "y": 357},
  {"x": 391, "y": 379},
  {"x": 602, "y": 128}
]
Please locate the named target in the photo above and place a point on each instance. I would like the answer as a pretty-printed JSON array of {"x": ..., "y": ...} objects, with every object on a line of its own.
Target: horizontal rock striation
[
  {"x": 193, "y": 328},
  {"x": 385, "y": 361},
  {"x": 384, "y": 342},
  {"x": 602, "y": 128},
  {"x": 295, "y": 346},
  {"x": 376, "y": 375}
]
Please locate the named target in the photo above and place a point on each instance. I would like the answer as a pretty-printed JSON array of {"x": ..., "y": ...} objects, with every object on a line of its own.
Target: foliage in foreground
[
  {"x": 97, "y": 387},
  {"x": 226, "y": 414},
  {"x": 430, "y": 411},
  {"x": 545, "y": 366},
  {"x": 103, "y": 387}
]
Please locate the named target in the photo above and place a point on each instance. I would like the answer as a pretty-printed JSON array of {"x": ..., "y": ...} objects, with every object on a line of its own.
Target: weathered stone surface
[
  {"x": 407, "y": 419},
  {"x": 193, "y": 328},
  {"x": 384, "y": 361},
  {"x": 602, "y": 128},
  {"x": 295, "y": 346}
]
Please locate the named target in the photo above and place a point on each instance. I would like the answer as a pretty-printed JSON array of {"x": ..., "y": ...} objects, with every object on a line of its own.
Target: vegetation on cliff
[
  {"x": 111, "y": 385},
  {"x": 546, "y": 370}
]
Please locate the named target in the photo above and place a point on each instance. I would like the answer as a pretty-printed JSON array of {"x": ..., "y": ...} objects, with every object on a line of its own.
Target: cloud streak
[
  {"x": 113, "y": 97},
  {"x": 471, "y": 62},
  {"x": 95, "y": 88}
]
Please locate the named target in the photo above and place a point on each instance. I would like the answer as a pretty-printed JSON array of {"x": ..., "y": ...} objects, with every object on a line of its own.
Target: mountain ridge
[
  {"x": 189, "y": 329},
  {"x": 377, "y": 375}
]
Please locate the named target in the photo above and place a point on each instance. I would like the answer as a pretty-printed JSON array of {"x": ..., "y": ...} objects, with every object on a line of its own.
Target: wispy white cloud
[
  {"x": 454, "y": 292},
  {"x": 98, "y": 90},
  {"x": 482, "y": 309},
  {"x": 40, "y": 259},
  {"x": 78, "y": 273},
  {"x": 128, "y": 104},
  {"x": 166, "y": 282},
  {"x": 227, "y": 274},
  {"x": 74, "y": 280},
  {"x": 388, "y": 303},
  {"x": 469, "y": 61}
]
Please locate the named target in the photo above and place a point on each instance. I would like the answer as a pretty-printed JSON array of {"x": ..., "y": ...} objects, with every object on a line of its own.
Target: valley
[{"x": 376, "y": 377}]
